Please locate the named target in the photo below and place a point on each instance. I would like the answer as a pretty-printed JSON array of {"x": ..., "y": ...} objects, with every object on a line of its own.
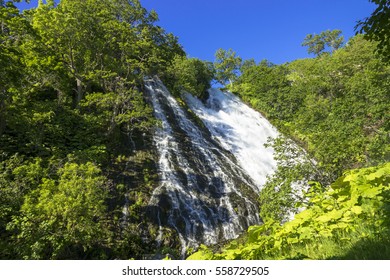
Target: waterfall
[
  {"x": 240, "y": 129},
  {"x": 208, "y": 186}
]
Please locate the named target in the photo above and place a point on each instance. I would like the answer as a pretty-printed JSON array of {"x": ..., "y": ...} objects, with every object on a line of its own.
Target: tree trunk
[
  {"x": 2, "y": 116},
  {"x": 231, "y": 85},
  {"x": 79, "y": 91}
]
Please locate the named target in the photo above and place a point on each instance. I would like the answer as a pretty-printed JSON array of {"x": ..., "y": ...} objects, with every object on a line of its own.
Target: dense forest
[
  {"x": 75, "y": 128},
  {"x": 76, "y": 135}
]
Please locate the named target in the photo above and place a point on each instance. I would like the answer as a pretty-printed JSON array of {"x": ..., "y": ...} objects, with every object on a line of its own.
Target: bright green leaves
[
  {"x": 366, "y": 191},
  {"x": 203, "y": 253},
  {"x": 305, "y": 215},
  {"x": 376, "y": 176},
  {"x": 357, "y": 210},
  {"x": 360, "y": 208},
  {"x": 266, "y": 86},
  {"x": 333, "y": 215},
  {"x": 64, "y": 214}
]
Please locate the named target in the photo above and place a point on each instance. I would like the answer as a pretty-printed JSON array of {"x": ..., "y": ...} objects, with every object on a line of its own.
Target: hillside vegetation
[
  {"x": 75, "y": 129},
  {"x": 349, "y": 220},
  {"x": 336, "y": 106},
  {"x": 77, "y": 160}
]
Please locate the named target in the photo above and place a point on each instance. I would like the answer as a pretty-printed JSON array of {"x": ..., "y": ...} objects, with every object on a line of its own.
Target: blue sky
[{"x": 259, "y": 29}]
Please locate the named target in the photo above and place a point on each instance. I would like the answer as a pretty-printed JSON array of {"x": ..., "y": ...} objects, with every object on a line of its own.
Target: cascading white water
[
  {"x": 239, "y": 129},
  {"x": 205, "y": 193}
]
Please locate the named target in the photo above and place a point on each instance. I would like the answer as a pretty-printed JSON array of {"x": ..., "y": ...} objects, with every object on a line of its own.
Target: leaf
[
  {"x": 305, "y": 214},
  {"x": 203, "y": 254},
  {"x": 342, "y": 225},
  {"x": 369, "y": 191},
  {"x": 305, "y": 233},
  {"x": 326, "y": 233},
  {"x": 350, "y": 177},
  {"x": 233, "y": 254},
  {"x": 254, "y": 232},
  {"x": 327, "y": 203},
  {"x": 378, "y": 174},
  {"x": 292, "y": 240},
  {"x": 331, "y": 216},
  {"x": 357, "y": 210},
  {"x": 342, "y": 198},
  {"x": 278, "y": 243}
]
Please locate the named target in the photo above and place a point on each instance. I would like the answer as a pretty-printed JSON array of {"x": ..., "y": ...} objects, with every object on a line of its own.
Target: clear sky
[{"x": 259, "y": 29}]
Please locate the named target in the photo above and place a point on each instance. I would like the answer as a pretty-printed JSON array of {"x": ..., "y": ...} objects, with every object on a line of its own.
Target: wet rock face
[{"x": 204, "y": 194}]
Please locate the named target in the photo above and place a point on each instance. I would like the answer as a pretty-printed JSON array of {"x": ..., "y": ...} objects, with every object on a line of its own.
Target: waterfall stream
[
  {"x": 210, "y": 174},
  {"x": 240, "y": 129}
]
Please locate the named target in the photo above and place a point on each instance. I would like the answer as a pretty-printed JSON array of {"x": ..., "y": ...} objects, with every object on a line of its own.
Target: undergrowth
[{"x": 349, "y": 220}]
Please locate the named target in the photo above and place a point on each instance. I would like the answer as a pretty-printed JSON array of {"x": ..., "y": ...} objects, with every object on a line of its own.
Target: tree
[
  {"x": 75, "y": 43},
  {"x": 318, "y": 43},
  {"x": 227, "y": 65},
  {"x": 117, "y": 39},
  {"x": 12, "y": 28},
  {"x": 71, "y": 91},
  {"x": 64, "y": 216},
  {"x": 247, "y": 64},
  {"x": 190, "y": 74},
  {"x": 312, "y": 100},
  {"x": 377, "y": 27}
]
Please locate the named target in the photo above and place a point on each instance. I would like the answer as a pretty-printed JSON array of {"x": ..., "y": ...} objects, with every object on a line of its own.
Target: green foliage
[
  {"x": 203, "y": 253},
  {"x": 189, "y": 74},
  {"x": 75, "y": 128},
  {"x": 335, "y": 223},
  {"x": 376, "y": 27},
  {"x": 283, "y": 193},
  {"x": 266, "y": 87},
  {"x": 119, "y": 40},
  {"x": 227, "y": 65},
  {"x": 17, "y": 178},
  {"x": 71, "y": 104},
  {"x": 318, "y": 43},
  {"x": 63, "y": 216},
  {"x": 12, "y": 28},
  {"x": 335, "y": 106}
]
